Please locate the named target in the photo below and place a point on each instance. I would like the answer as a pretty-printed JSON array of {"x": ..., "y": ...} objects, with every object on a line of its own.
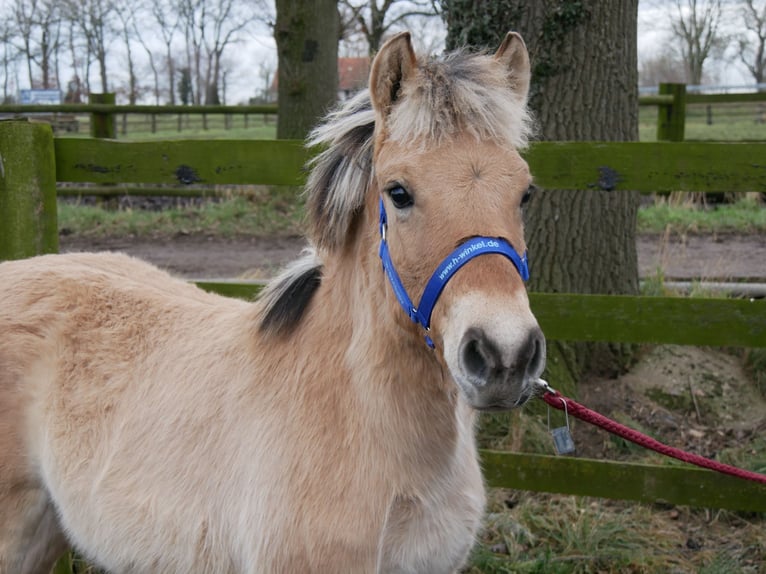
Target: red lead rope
[{"x": 554, "y": 399}]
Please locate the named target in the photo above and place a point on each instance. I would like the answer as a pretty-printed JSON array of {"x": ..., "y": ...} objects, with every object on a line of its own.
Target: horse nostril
[
  {"x": 536, "y": 363},
  {"x": 479, "y": 355}
]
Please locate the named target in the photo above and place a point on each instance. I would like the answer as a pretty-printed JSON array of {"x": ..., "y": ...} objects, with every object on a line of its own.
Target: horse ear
[
  {"x": 394, "y": 63},
  {"x": 512, "y": 53}
]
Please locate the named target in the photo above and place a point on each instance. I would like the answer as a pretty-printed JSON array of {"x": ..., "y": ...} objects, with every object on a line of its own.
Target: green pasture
[
  {"x": 191, "y": 126},
  {"x": 730, "y": 122},
  {"x": 743, "y": 216},
  {"x": 265, "y": 211}
]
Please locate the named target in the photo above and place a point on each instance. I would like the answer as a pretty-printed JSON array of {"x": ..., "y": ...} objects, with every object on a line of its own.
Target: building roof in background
[{"x": 353, "y": 74}]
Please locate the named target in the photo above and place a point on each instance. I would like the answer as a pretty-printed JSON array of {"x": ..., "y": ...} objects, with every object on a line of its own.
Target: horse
[{"x": 328, "y": 425}]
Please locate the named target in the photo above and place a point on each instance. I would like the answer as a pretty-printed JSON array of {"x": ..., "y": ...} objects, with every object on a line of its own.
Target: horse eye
[
  {"x": 528, "y": 194},
  {"x": 400, "y": 197}
]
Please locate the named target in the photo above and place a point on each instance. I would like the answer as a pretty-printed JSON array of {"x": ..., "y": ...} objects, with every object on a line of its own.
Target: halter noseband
[{"x": 463, "y": 254}]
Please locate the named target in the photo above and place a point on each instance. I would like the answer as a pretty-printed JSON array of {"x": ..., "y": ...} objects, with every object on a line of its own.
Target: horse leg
[{"x": 30, "y": 535}]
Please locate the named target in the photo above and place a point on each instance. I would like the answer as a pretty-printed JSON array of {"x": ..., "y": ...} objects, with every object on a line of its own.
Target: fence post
[
  {"x": 671, "y": 118},
  {"x": 28, "y": 224},
  {"x": 102, "y": 125}
]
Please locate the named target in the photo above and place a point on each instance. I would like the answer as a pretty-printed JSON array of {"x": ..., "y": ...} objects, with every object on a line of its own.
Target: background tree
[
  {"x": 666, "y": 66},
  {"x": 696, "y": 27},
  {"x": 373, "y": 19},
  {"x": 228, "y": 18},
  {"x": 152, "y": 60},
  {"x": 210, "y": 26},
  {"x": 751, "y": 45},
  {"x": 8, "y": 55},
  {"x": 38, "y": 25},
  {"x": 126, "y": 20},
  {"x": 168, "y": 21},
  {"x": 80, "y": 66},
  {"x": 584, "y": 87},
  {"x": 306, "y": 33},
  {"x": 95, "y": 21},
  {"x": 185, "y": 87}
]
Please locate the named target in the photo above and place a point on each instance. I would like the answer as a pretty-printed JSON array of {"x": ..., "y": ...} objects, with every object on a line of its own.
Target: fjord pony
[{"x": 159, "y": 428}]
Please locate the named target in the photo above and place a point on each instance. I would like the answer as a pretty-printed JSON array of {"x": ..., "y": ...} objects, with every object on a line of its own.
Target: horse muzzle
[
  {"x": 496, "y": 378},
  {"x": 493, "y": 348}
]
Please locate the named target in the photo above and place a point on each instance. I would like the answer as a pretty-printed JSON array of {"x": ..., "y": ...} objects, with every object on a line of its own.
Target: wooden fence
[
  {"x": 103, "y": 113},
  {"x": 673, "y": 99},
  {"x": 671, "y": 102},
  {"x": 34, "y": 162}
]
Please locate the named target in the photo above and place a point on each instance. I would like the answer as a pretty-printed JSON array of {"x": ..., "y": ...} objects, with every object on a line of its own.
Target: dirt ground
[{"x": 722, "y": 257}]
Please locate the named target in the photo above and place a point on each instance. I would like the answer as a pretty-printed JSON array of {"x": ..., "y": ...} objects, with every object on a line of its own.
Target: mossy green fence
[{"x": 27, "y": 190}]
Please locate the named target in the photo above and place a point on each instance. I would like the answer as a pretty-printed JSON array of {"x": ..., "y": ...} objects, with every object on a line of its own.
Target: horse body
[
  {"x": 158, "y": 428},
  {"x": 232, "y": 463}
]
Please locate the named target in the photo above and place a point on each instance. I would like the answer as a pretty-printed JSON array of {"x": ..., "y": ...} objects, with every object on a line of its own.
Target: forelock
[{"x": 458, "y": 93}]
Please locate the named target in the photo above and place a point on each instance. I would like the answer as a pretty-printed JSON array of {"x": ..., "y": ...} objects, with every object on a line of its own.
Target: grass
[
  {"x": 744, "y": 216},
  {"x": 266, "y": 211},
  {"x": 166, "y": 127},
  {"x": 540, "y": 533}
]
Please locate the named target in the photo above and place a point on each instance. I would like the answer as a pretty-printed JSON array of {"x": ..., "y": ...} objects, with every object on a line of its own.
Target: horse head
[
  {"x": 426, "y": 165},
  {"x": 447, "y": 170}
]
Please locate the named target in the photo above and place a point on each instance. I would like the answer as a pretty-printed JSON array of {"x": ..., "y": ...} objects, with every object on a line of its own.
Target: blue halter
[{"x": 463, "y": 254}]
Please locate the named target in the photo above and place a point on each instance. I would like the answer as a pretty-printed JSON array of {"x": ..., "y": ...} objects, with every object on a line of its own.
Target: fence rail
[
  {"x": 639, "y": 166},
  {"x": 612, "y": 166}
]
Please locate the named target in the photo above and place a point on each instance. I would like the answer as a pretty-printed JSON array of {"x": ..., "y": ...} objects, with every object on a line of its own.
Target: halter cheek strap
[{"x": 463, "y": 254}]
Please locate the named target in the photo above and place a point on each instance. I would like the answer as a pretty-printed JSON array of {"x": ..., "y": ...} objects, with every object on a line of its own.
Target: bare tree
[
  {"x": 751, "y": 44},
  {"x": 168, "y": 18},
  {"x": 8, "y": 55},
  {"x": 138, "y": 35},
  {"x": 95, "y": 21},
  {"x": 193, "y": 14},
  {"x": 227, "y": 19},
  {"x": 375, "y": 18},
  {"x": 38, "y": 25},
  {"x": 80, "y": 66},
  {"x": 696, "y": 26},
  {"x": 126, "y": 17},
  {"x": 663, "y": 67},
  {"x": 210, "y": 27}
]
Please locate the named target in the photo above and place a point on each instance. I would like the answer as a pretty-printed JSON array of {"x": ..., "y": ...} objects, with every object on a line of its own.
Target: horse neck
[{"x": 403, "y": 391}]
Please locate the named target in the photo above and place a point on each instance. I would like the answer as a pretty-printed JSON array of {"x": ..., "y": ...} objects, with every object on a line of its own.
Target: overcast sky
[
  {"x": 246, "y": 59},
  {"x": 653, "y": 37}
]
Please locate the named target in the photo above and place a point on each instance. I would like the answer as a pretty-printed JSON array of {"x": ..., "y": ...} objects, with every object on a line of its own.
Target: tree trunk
[
  {"x": 584, "y": 87},
  {"x": 102, "y": 70},
  {"x": 307, "y": 47},
  {"x": 171, "y": 75},
  {"x": 132, "y": 79},
  {"x": 45, "y": 54}
]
